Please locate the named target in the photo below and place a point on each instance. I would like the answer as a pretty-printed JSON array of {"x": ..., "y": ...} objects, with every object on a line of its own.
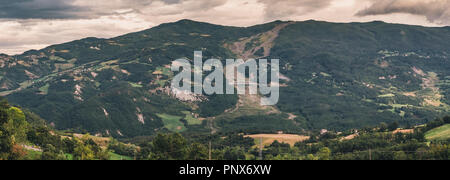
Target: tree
[
  {"x": 13, "y": 129},
  {"x": 50, "y": 153},
  {"x": 400, "y": 155},
  {"x": 123, "y": 149},
  {"x": 68, "y": 145},
  {"x": 198, "y": 151},
  {"x": 234, "y": 153},
  {"x": 282, "y": 157},
  {"x": 169, "y": 147},
  {"x": 383, "y": 127},
  {"x": 4, "y": 106},
  {"x": 17, "y": 153},
  {"x": 446, "y": 119},
  {"x": 278, "y": 148},
  {"x": 17, "y": 124},
  {"x": 393, "y": 126},
  {"x": 311, "y": 157},
  {"x": 324, "y": 153},
  {"x": 83, "y": 151},
  {"x": 434, "y": 124},
  {"x": 6, "y": 142}
]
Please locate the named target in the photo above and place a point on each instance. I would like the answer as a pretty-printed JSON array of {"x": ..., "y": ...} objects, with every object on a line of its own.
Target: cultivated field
[
  {"x": 440, "y": 133},
  {"x": 172, "y": 123},
  {"x": 268, "y": 139}
]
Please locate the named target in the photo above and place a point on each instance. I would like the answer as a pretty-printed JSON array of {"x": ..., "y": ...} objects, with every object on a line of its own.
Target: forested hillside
[
  {"x": 352, "y": 75},
  {"x": 334, "y": 76},
  {"x": 25, "y": 136}
]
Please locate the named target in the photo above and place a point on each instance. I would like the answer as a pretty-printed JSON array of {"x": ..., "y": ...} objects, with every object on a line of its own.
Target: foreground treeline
[
  {"x": 25, "y": 136},
  {"x": 177, "y": 147},
  {"x": 376, "y": 143}
]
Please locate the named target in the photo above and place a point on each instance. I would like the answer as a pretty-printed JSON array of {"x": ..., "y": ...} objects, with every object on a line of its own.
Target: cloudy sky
[{"x": 35, "y": 24}]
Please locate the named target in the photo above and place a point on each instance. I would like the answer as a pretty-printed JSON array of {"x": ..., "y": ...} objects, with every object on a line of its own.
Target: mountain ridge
[
  {"x": 338, "y": 76},
  {"x": 200, "y": 22}
]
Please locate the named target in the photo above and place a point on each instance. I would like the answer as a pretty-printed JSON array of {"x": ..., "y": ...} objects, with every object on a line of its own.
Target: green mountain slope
[
  {"x": 440, "y": 133},
  {"x": 335, "y": 76},
  {"x": 346, "y": 75}
]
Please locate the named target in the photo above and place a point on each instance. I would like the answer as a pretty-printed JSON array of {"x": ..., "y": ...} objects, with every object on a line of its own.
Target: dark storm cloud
[
  {"x": 437, "y": 11},
  {"x": 82, "y": 9},
  {"x": 40, "y": 9}
]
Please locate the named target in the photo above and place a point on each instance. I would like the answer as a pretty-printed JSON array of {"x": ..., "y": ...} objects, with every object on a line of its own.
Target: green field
[
  {"x": 31, "y": 155},
  {"x": 386, "y": 95},
  {"x": 172, "y": 123},
  {"x": 44, "y": 89},
  {"x": 440, "y": 133},
  {"x": 191, "y": 120},
  {"x": 135, "y": 85},
  {"x": 56, "y": 58},
  {"x": 114, "y": 156},
  {"x": 36, "y": 155}
]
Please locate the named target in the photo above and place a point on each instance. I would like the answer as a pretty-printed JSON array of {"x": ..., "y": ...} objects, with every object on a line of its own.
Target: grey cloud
[
  {"x": 276, "y": 9},
  {"x": 86, "y": 9},
  {"x": 171, "y": 1},
  {"x": 39, "y": 9},
  {"x": 436, "y": 11}
]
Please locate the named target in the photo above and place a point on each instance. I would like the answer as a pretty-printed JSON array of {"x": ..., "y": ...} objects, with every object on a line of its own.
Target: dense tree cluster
[
  {"x": 22, "y": 132},
  {"x": 24, "y": 135},
  {"x": 13, "y": 128},
  {"x": 374, "y": 143}
]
